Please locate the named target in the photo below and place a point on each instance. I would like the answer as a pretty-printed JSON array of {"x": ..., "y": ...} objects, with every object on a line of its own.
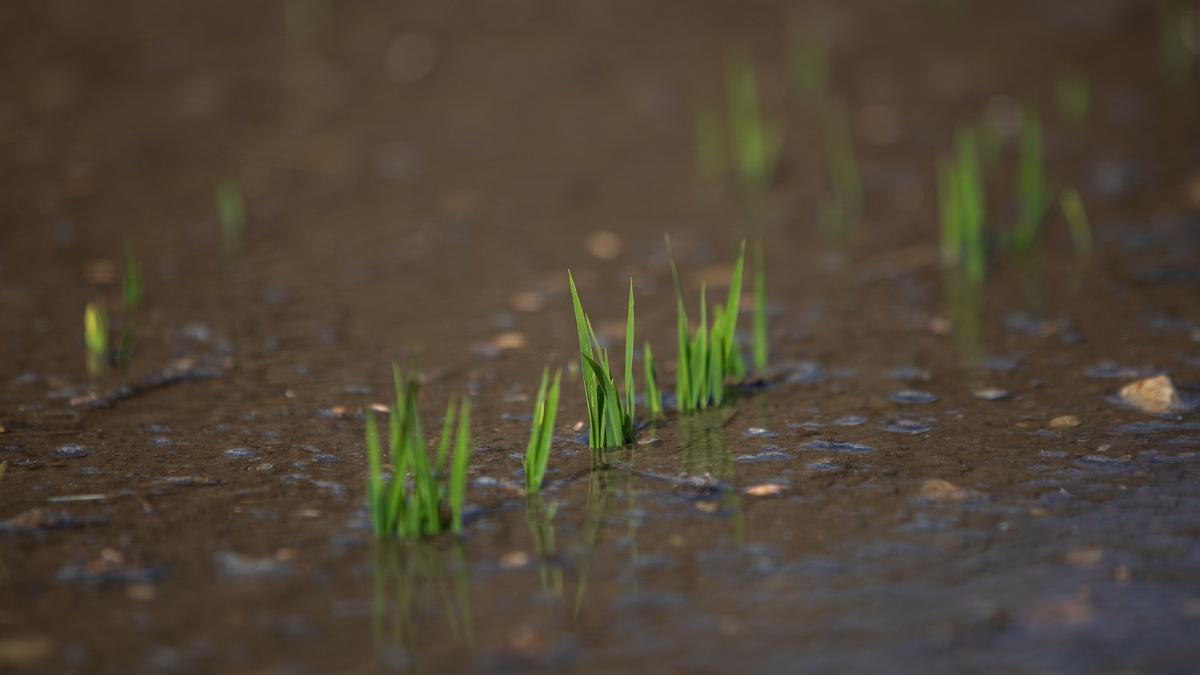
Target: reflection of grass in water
[
  {"x": 703, "y": 446},
  {"x": 610, "y": 417},
  {"x": 603, "y": 482},
  {"x": 540, "y": 518},
  {"x": 411, "y": 576}
]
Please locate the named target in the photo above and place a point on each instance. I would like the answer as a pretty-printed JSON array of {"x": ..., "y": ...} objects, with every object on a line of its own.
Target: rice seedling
[
  {"x": 961, "y": 206},
  {"x": 1073, "y": 97},
  {"x": 95, "y": 337},
  {"x": 415, "y": 501},
  {"x": 809, "y": 63},
  {"x": 761, "y": 346},
  {"x": 654, "y": 399},
  {"x": 1081, "y": 231},
  {"x": 710, "y": 356},
  {"x": 708, "y": 142},
  {"x": 846, "y": 204},
  {"x": 610, "y": 417},
  {"x": 231, "y": 211},
  {"x": 755, "y": 142},
  {"x": 537, "y": 452},
  {"x": 1033, "y": 197}
]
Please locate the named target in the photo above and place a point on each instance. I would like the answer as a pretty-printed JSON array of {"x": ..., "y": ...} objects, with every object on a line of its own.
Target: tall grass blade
[
  {"x": 654, "y": 399},
  {"x": 1081, "y": 230},
  {"x": 761, "y": 335}
]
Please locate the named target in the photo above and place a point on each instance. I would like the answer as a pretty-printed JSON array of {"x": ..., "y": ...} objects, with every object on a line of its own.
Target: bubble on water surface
[{"x": 240, "y": 453}]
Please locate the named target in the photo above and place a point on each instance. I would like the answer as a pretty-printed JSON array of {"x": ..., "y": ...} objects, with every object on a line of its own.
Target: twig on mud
[{"x": 174, "y": 374}]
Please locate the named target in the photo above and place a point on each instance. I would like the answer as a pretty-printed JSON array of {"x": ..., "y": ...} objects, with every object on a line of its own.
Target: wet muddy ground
[{"x": 931, "y": 477}]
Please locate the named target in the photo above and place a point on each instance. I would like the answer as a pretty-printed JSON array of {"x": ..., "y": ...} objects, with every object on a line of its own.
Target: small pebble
[
  {"x": 1064, "y": 422},
  {"x": 240, "y": 453},
  {"x": 912, "y": 397},
  {"x": 71, "y": 451},
  {"x": 991, "y": 393}
]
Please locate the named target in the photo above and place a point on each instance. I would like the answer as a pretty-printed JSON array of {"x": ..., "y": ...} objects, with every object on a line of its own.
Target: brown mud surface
[{"x": 419, "y": 177}]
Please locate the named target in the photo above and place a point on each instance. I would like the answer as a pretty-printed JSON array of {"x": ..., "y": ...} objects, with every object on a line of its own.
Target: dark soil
[{"x": 419, "y": 177}]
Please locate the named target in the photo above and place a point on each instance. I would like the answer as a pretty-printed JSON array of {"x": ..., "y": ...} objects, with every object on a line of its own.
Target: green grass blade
[
  {"x": 629, "y": 381},
  {"x": 443, "y": 447},
  {"x": 590, "y": 392},
  {"x": 375, "y": 503},
  {"x": 533, "y": 448},
  {"x": 653, "y": 395},
  {"x": 458, "y": 473},
  {"x": 761, "y": 337},
  {"x": 1081, "y": 231},
  {"x": 733, "y": 306}
]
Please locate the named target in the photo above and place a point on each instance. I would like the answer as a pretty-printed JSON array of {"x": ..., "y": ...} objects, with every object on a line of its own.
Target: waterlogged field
[{"x": 912, "y": 387}]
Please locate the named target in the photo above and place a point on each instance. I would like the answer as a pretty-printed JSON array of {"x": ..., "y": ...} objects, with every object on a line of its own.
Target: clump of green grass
[
  {"x": 756, "y": 143},
  {"x": 231, "y": 212},
  {"x": 961, "y": 200},
  {"x": 95, "y": 337},
  {"x": 1033, "y": 196},
  {"x": 537, "y": 452},
  {"x": 1073, "y": 97},
  {"x": 1081, "y": 230},
  {"x": 761, "y": 341},
  {"x": 710, "y": 356},
  {"x": 422, "y": 497},
  {"x": 610, "y": 417},
  {"x": 654, "y": 399},
  {"x": 840, "y": 210}
]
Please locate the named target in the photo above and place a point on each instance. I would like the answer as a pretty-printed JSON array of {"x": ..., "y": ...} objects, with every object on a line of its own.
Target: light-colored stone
[
  {"x": 1064, "y": 422},
  {"x": 1154, "y": 395},
  {"x": 943, "y": 491}
]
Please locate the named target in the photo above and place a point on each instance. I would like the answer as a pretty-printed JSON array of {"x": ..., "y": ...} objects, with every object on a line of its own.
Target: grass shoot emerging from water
[
  {"x": 231, "y": 211},
  {"x": 841, "y": 210},
  {"x": 755, "y": 142},
  {"x": 421, "y": 498},
  {"x": 537, "y": 452},
  {"x": 1081, "y": 231},
  {"x": 761, "y": 341},
  {"x": 654, "y": 400},
  {"x": 961, "y": 207},
  {"x": 710, "y": 356},
  {"x": 95, "y": 338},
  {"x": 610, "y": 416},
  {"x": 1033, "y": 197}
]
